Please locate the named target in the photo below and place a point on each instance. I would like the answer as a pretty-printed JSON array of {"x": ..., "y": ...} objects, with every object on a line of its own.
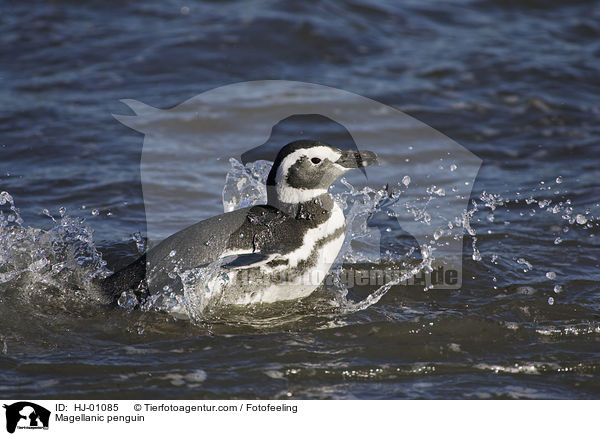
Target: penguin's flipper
[{"x": 246, "y": 261}]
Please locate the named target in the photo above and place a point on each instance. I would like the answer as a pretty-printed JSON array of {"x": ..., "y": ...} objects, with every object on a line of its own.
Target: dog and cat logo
[{"x": 26, "y": 415}]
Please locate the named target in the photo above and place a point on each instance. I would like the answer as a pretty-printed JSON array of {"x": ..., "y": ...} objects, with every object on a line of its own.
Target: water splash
[
  {"x": 245, "y": 185},
  {"x": 32, "y": 260},
  {"x": 542, "y": 216}
]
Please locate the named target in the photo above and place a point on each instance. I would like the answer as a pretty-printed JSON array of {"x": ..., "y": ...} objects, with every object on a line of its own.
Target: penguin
[{"x": 278, "y": 251}]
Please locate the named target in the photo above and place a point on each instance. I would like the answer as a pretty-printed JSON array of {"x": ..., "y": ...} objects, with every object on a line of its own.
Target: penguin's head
[{"x": 305, "y": 169}]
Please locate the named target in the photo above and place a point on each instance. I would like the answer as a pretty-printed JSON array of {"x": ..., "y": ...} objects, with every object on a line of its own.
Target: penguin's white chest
[
  {"x": 300, "y": 271},
  {"x": 324, "y": 241}
]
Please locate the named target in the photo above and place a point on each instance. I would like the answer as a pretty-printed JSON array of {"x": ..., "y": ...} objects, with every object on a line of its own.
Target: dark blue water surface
[{"x": 515, "y": 82}]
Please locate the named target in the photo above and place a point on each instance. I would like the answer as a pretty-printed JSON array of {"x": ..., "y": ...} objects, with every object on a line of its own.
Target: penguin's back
[{"x": 257, "y": 229}]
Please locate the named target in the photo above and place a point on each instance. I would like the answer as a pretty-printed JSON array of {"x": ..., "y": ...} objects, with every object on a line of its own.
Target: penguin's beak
[{"x": 356, "y": 159}]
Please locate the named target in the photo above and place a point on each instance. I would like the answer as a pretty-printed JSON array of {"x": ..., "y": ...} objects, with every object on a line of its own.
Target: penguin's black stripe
[
  {"x": 265, "y": 224},
  {"x": 278, "y": 262},
  {"x": 311, "y": 259}
]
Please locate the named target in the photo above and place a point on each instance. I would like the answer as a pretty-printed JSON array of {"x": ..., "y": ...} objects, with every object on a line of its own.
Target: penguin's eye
[{"x": 315, "y": 160}]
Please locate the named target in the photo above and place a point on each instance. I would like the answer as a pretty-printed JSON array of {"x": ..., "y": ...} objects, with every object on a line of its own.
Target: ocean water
[{"x": 515, "y": 83}]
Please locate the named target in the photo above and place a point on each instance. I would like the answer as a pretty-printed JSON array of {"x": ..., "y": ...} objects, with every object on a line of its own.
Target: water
[{"x": 516, "y": 83}]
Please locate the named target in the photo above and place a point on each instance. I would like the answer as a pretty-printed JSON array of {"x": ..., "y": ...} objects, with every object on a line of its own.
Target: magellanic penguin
[{"x": 273, "y": 252}]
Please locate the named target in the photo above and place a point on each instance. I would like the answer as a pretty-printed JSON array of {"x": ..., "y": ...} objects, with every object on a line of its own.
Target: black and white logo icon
[{"x": 26, "y": 415}]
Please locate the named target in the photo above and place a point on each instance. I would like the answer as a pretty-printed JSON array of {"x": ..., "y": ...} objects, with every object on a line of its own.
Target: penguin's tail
[{"x": 131, "y": 277}]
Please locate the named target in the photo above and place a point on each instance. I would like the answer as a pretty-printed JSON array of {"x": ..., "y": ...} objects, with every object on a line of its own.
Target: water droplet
[
  {"x": 581, "y": 219},
  {"x": 559, "y": 179},
  {"x": 476, "y": 254},
  {"x": 543, "y": 203},
  {"x": 558, "y": 289},
  {"x": 522, "y": 261},
  {"x": 62, "y": 211},
  {"x": 453, "y": 167},
  {"x": 551, "y": 275},
  {"x": 95, "y": 212},
  {"x": 5, "y": 197},
  {"x": 437, "y": 191},
  {"x": 172, "y": 253},
  {"x": 241, "y": 235},
  {"x": 557, "y": 241},
  {"x": 406, "y": 180},
  {"x": 438, "y": 233},
  {"x": 550, "y": 301}
]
